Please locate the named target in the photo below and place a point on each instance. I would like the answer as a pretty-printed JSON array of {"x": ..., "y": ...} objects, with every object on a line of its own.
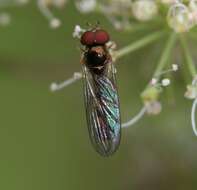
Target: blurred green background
[{"x": 43, "y": 136}]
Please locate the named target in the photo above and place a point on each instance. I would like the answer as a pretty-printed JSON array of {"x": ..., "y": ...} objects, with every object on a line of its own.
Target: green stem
[
  {"x": 137, "y": 27},
  {"x": 152, "y": 93},
  {"x": 138, "y": 44},
  {"x": 188, "y": 57},
  {"x": 165, "y": 55}
]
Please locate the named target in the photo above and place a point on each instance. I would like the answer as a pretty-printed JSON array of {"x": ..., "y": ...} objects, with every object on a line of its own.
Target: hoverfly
[{"x": 101, "y": 96}]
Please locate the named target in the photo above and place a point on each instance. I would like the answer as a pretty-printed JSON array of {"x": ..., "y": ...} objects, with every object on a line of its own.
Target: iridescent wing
[{"x": 102, "y": 109}]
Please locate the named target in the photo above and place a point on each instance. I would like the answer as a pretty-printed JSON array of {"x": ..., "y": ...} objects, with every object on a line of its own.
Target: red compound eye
[
  {"x": 88, "y": 38},
  {"x": 101, "y": 37}
]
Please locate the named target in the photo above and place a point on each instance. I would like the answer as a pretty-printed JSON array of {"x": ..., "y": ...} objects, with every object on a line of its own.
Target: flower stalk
[
  {"x": 165, "y": 55},
  {"x": 135, "y": 119},
  {"x": 138, "y": 44},
  {"x": 151, "y": 93},
  {"x": 188, "y": 57}
]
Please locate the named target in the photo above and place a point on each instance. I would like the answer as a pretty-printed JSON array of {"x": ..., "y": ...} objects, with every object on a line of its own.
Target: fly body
[{"x": 101, "y": 96}]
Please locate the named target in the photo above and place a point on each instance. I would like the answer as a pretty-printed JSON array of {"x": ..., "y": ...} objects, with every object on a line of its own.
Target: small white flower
[
  {"x": 86, "y": 6},
  {"x": 77, "y": 31},
  {"x": 4, "y": 19},
  {"x": 193, "y": 5},
  {"x": 165, "y": 82},
  {"x": 191, "y": 92},
  {"x": 77, "y": 75},
  {"x": 179, "y": 18},
  {"x": 55, "y": 23},
  {"x": 153, "y": 107},
  {"x": 153, "y": 81},
  {"x": 175, "y": 67},
  {"x": 53, "y": 86},
  {"x": 111, "y": 45},
  {"x": 144, "y": 10},
  {"x": 193, "y": 10}
]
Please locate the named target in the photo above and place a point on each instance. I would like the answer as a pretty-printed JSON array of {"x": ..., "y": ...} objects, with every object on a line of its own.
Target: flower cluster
[
  {"x": 177, "y": 17},
  {"x": 181, "y": 15}
]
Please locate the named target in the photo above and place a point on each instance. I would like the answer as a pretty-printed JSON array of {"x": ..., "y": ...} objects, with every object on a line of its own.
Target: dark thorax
[{"x": 97, "y": 58}]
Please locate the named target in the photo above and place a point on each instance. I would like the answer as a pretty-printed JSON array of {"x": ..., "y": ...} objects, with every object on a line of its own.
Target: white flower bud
[
  {"x": 53, "y": 87},
  {"x": 85, "y": 6},
  {"x": 175, "y": 67},
  {"x": 191, "y": 92},
  {"x": 144, "y": 9},
  {"x": 77, "y": 75},
  {"x": 179, "y": 18},
  {"x": 193, "y": 5},
  {"x": 165, "y": 82},
  {"x": 153, "y": 107},
  {"x": 193, "y": 9},
  {"x": 55, "y": 23},
  {"x": 77, "y": 31},
  {"x": 153, "y": 81}
]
